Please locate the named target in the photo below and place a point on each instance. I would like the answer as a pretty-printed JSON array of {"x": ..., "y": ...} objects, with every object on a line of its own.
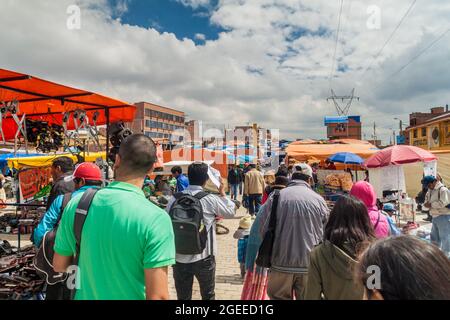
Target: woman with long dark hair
[
  {"x": 347, "y": 232},
  {"x": 404, "y": 268}
]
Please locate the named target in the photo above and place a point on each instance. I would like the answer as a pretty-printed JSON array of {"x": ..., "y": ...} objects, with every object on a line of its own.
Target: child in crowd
[
  {"x": 241, "y": 235},
  {"x": 389, "y": 211}
]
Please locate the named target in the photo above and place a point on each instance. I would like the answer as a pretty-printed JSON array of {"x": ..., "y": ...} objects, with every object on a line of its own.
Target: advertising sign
[{"x": 32, "y": 180}]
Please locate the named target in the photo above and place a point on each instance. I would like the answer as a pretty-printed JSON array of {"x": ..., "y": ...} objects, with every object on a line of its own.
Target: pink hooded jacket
[{"x": 365, "y": 192}]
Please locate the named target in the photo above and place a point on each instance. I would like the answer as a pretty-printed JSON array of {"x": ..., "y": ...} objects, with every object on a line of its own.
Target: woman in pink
[{"x": 365, "y": 192}]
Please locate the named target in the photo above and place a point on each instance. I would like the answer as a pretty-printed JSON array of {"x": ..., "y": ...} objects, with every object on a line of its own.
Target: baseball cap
[
  {"x": 304, "y": 168},
  {"x": 87, "y": 171},
  {"x": 388, "y": 207},
  {"x": 428, "y": 179}
]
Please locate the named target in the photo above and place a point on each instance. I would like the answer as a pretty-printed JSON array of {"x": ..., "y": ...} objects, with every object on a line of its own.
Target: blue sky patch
[{"x": 171, "y": 16}]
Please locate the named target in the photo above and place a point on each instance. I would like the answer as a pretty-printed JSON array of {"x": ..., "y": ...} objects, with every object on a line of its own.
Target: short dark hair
[
  {"x": 177, "y": 169},
  {"x": 282, "y": 172},
  {"x": 349, "y": 224},
  {"x": 252, "y": 166},
  {"x": 93, "y": 183},
  {"x": 65, "y": 163},
  {"x": 411, "y": 269},
  {"x": 281, "y": 181},
  {"x": 300, "y": 176},
  {"x": 198, "y": 174},
  {"x": 137, "y": 154}
]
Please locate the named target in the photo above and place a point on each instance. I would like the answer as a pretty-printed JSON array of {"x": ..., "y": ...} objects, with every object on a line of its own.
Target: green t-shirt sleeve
[
  {"x": 65, "y": 243},
  {"x": 159, "y": 248}
]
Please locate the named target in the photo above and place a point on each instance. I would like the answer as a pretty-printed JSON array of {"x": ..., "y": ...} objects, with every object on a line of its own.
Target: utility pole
[
  {"x": 374, "y": 132},
  {"x": 341, "y": 110}
]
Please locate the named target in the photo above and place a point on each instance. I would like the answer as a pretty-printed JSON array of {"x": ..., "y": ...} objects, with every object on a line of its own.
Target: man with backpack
[
  {"x": 120, "y": 241},
  {"x": 86, "y": 176},
  {"x": 299, "y": 214},
  {"x": 193, "y": 213},
  {"x": 438, "y": 200}
]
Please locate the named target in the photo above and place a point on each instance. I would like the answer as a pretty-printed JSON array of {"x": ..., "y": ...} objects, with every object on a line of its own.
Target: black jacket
[
  {"x": 235, "y": 177},
  {"x": 60, "y": 186}
]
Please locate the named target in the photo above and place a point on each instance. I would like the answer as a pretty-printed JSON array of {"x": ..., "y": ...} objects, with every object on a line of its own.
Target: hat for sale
[
  {"x": 304, "y": 168},
  {"x": 428, "y": 179},
  {"x": 87, "y": 171}
]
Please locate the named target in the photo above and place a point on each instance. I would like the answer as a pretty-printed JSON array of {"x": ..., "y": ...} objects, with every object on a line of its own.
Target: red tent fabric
[
  {"x": 397, "y": 155},
  {"x": 44, "y": 100}
]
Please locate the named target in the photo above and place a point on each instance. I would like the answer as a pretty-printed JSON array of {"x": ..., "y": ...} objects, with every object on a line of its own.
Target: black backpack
[
  {"x": 189, "y": 229},
  {"x": 44, "y": 258},
  {"x": 43, "y": 261}
]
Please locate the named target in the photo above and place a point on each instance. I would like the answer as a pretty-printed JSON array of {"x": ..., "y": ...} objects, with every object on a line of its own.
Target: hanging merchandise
[
  {"x": 48, "y": 138},
  {"x": 117, "y": 133}
]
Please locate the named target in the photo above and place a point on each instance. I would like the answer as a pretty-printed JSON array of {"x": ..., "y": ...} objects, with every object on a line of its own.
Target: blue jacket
[
  {"x": 51, "y": 216},
  {"x": 182, "y": 183},
  {"x": 392, "y": 226}
]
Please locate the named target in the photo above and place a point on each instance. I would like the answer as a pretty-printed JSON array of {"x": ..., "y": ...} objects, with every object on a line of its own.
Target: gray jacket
[{"x": 301, "y": 216}]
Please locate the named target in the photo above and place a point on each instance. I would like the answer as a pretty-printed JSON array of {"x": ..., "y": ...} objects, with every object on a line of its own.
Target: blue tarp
[
  {"x": 5, "y": 156},
  {"x": 346, "y": 157},
  {"x": 342, "y": 119}
]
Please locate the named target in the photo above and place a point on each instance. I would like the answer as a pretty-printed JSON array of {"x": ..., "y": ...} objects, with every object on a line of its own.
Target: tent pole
[{"x": 107, "y": 141}]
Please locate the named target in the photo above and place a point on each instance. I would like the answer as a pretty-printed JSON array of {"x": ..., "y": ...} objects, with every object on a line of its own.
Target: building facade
[
  {"x": 430, "y": 131},
  {"x": 163, "y": 124},
  {"x": 345, "y": 127}
]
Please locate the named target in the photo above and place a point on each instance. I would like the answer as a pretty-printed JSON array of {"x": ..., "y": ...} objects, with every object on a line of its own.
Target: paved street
[{"x": 228, "y": 279}]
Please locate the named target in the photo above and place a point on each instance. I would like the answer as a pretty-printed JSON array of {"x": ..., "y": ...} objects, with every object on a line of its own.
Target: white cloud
[
  {"x": 195, "y": 3},
  {"x": 200, "y": 36},
  {"x": 260, "y": 69}
]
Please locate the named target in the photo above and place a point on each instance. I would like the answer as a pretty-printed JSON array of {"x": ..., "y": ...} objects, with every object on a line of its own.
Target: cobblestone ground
[{"x": 228, "y": 276}]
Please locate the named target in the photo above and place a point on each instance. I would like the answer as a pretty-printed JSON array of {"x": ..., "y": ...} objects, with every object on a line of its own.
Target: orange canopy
[
  {"x": 190, "y": 154},
  {"x": 44, "y": 100},
  {"x": 322, "y": 151}
]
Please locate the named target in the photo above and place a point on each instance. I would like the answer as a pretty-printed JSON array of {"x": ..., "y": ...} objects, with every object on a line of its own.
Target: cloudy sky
[{"x": 238, "y": 61}]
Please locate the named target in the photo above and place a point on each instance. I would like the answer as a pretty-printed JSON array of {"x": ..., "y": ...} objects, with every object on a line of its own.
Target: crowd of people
[
  {"x": 318, "y": 254},
  {"x": 126, "y": 244}
]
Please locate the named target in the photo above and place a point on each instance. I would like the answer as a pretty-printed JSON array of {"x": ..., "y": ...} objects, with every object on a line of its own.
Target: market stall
[
  {"x": 386, "y": 174},
  {"x": 322, "y": 150},
  {"x": 37, "y": 115}
]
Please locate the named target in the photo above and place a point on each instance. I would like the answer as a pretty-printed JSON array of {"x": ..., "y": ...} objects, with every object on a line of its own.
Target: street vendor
[
  {"x": 2, "y": 189},
  {"x": 62, "y": 168},
  {"x": 437, "y": 200}
]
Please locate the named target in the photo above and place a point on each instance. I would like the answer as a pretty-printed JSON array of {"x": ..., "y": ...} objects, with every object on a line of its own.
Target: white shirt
[{"x": 213, "y": 206}]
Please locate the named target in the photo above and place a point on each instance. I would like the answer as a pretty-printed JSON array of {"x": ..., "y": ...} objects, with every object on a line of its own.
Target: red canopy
[
  {"x": 397, "y": 155},
  {"x": 44, "y": 100}
]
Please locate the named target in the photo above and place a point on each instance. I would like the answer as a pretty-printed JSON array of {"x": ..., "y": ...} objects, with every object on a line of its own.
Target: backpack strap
[
  {"x": 200, "y": 195},
  {"x": 81, "y": 214},
  {"x": 378, "y": 221},
  {"x": 273, "y": 213},
  {"x": 66, "y": 199}
]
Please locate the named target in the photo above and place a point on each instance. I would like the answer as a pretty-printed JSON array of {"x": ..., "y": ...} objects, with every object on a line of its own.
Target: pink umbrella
[{"x": 397, "y": 155}]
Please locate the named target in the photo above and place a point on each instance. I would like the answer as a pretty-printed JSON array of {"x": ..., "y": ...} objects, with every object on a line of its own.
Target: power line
[
  {"x": 335, "y": 46},
  {"x": 390, "y": 37},
  {"x": 420, "y": 53}
]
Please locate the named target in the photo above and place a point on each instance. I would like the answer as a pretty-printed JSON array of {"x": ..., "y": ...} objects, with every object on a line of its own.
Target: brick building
[
  {"x": 344, "y": 127},
  {"x": 160, "y": 123}
]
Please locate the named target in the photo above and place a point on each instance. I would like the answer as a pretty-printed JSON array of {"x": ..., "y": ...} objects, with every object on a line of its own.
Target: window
[
  {"x": 424, "y": 132},
  {"x": 415, "y": 133}
]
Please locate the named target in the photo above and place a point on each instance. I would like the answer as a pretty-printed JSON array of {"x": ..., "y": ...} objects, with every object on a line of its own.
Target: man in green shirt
[{"x": 127, "y": 242}]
